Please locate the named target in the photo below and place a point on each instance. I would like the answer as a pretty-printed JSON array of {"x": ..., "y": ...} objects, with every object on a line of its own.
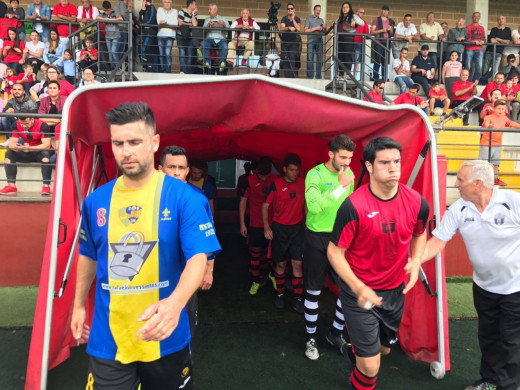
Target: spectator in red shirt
[
  {"x": 463, "y": 90},
  {"x": 489, "y": 107},
  {"x": 358, "y": 40},
  {"x": 497, "y": 83},
  {"x": 438, "y": 97},
  {"x": 411, "y": 97},
  {"x": 29, "y": 142},
  {"x": 12, "y": 51},
  {"x": 474, "y": 53},
  {"x": 64, "y": 12},
  {"x": 89, "y": 56},
  {"x": 5, "y": 22},
  {"x": 377, "y": 93}
]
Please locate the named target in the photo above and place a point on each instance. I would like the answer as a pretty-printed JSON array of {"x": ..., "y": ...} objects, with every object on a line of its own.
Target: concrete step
[{"x": 28, "y": 180}]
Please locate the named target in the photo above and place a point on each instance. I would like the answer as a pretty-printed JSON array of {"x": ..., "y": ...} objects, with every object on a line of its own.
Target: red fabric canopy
[{"x": 241, "y": 117}]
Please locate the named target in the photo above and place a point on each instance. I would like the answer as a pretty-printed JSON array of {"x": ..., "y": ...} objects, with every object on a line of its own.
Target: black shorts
[
  {"x": 171, "y": 372},
  {"x": 287, "y": 242},
  {"x": 316, "y": 265},
  {"x": 369, "y": 329},
  {"x": 256, "y": 238}
]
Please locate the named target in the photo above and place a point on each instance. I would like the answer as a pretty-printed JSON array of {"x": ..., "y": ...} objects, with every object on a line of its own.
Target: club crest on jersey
[
  {"x": 292, "y": 195},
  {"x": 130, "y": 214},
  {"x": 388, "y": 227},
  {"x": 499, "y": 220},
  {"x": 130, "y": 253}
]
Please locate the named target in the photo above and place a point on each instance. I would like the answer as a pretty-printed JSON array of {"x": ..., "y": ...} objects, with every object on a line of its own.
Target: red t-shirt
[
  {"x": 66, "y": 88},
  {"x": 255, "y": 192},
  {"x": 35, "y": 134},
  {"x": 377, "y": 234},
  {"x": 459, "y": 86},
  {"x": 83, "y": 54},
  {"x": 475, "y": 33},
  {"x": 490, "y": 88},
  {"x": 5, "y": 23},
  {"x": 378, "y": 98},
  {"x": 69, "y": 10},
  {"x": 436, "y": 94},
  {"x": 287, "y": 200},
  {"x": 361, "y": 30},
  {"x": 405, "y": 98},
  {"x": 12, "y": 55},
  {"x": 491, "y": 105}
]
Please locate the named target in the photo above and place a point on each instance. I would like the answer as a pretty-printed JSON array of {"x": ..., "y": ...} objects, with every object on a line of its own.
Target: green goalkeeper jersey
[{"x": 323, "y": 195}]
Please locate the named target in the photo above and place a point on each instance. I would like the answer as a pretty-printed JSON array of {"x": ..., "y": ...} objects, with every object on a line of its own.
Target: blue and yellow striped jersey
[{"x": 140, "y": 239}]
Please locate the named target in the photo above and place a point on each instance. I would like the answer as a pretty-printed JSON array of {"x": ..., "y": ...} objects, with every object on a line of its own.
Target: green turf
[
  {"x": 17, "y": 306},
  {"x": 460, "y": 300}
]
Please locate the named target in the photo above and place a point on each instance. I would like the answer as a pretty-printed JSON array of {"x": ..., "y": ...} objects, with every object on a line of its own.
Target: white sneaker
[
  {"x": 311, "y": 350},
  {"x": 5, "y": 144}
]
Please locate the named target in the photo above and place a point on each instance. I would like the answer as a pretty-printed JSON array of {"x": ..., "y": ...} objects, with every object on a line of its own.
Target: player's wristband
[{"x": 338, "y": 192}]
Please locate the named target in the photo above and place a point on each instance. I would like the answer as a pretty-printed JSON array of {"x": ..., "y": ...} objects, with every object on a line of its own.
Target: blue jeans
[
  {"x": 487, "y": 65},
  {"x": 314, "y": 47},
  {"x": 7, "y": 125},
  {"x": 403, "y": 82},
  {"x": 474, "y": 57},
  {"x": 165, "y": 54},
  {"x": 186, "y": 56},
  {"x": 113, "y": 46},
  {"x": 208, "y": 43}
]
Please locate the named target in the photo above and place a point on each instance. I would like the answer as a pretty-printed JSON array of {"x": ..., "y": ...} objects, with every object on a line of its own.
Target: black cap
[
  {"x": 425, "y": 47},
  {"x": 385, "y": 7}
]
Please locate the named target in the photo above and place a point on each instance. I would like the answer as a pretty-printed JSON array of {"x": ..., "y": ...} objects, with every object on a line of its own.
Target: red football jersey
[
  {"x": 255, "y": 192},
  {"x": 377, "y": 234},
  {"x": 287, "y": 200}
]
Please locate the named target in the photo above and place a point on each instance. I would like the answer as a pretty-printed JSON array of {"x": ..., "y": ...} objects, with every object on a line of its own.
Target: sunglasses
[{"x": 290, "y": 9}]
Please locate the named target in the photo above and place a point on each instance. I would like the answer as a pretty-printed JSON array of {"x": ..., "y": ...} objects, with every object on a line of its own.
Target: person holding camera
[{"x": 316, "y": 26}]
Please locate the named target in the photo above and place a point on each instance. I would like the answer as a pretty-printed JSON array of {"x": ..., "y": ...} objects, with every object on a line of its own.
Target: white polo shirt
[{"x": 492, "y": 239}]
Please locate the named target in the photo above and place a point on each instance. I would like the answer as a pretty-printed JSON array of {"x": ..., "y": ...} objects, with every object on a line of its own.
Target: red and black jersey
[
  {"x": 377, "y": 234},
  {"x": 255, "y": 191},
  {"x": 34, "y": 136},
  {"x": 287, "y": 200}
]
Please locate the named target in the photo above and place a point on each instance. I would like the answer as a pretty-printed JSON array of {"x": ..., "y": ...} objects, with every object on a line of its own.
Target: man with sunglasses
[
  {"x": 290, "y": 46},
  {"x": 377, "y": 93},
  {"x": 29, "y": 142}
]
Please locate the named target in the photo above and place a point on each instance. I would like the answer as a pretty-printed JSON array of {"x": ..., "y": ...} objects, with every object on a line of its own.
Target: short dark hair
[
  {"x": 454, "y": 51},
  {"x": 292, "y": 159},
  {"x": 248, "y": 165},
  {"x": 408, "y": 15},
  {"x": 174, "y": 150},
  {"x": 377, "y": 144},
  {"x": 199, "y": 164},
  {"x": 502, "y": 73},
  {"x": 132, "y": 112},
  {"x": 415, "y": 86},
  {"x": 495, "y": 90},
  {"x": 264, "y": 165},
  {"x": 316, "y": 6},
  {"x": 341, "y": 142},
  {"x": 288, "y": 4},
  {"x": 435, "y": 82},
  {"x": 378, "y": 82},
  {"x": 189, "y": 2},
  {"x": 107, "y": 5},
  {"x": 500, "y": 102},
  {"x": 404, "y": 48},
  {"x": 54, "y": 82}
]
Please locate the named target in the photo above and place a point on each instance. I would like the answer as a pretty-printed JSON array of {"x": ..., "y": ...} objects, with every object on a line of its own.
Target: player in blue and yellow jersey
[{"x": 146, "y": 238}]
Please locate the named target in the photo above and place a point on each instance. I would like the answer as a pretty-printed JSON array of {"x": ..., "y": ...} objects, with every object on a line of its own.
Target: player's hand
[
  {"x": 268, "y": 233},
  {"x": 80, "y": 330},
  {"x": 344, "y": 178},
  {"x": 243, "y": 230},
  {"x": 207, "y": 280},
  {"x": 367, "y": 298},
  {"x": 412, "y": 268},
  {"x": 162, "y": 318}
]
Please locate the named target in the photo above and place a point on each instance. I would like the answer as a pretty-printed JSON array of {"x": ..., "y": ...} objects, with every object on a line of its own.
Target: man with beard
[
  {"x": 286, "y": 195},
  {"x": 145, "y": 237},
  {"x": 374, "y": 229},
  {"x": 326, "y": 187}
]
